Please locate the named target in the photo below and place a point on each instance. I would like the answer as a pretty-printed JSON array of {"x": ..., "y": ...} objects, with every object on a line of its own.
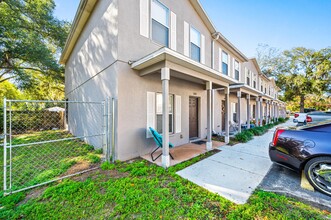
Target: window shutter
[
  {"x": 144, "y": 18},
  {"x": 178, "y": 114},
  {"x": 220, "y": 60},
  {"x": 186, "y": 39},
  {"x": 150, "y": 113},
  {"x": 203, "y": 49},
  {"x": 173, "y": 28}
]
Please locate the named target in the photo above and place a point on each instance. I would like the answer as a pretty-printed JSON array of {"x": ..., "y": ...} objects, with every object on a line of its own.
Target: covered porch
[
  {"x": 184, "y": 152},
  {"x": 171, "y": 65}
]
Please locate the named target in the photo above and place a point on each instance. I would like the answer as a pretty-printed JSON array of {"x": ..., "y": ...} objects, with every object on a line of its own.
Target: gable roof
[{"x": 85, "y": 9}]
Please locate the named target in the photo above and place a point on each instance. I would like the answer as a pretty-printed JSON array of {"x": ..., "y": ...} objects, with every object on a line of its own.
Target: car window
[{"x": 316, "y": 113}]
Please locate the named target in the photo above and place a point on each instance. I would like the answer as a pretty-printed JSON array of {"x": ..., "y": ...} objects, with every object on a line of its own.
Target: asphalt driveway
[{"x": 287, "y": 182}]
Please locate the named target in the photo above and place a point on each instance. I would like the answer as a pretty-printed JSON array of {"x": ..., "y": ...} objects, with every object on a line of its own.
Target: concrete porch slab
[{"x": 183, "y": 153}]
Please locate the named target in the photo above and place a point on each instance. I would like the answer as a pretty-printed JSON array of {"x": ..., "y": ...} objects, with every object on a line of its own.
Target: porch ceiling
[{"x": 181, "y": 67}]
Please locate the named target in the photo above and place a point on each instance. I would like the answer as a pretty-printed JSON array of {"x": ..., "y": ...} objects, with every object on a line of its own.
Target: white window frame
[
  {"x": 171, "y": 130},
  {"x": 227, "y": 62},
  {"x": 190, "y": 41},
  {"x": 167, "y": 26},
  {"x": 235, "y": 62}
]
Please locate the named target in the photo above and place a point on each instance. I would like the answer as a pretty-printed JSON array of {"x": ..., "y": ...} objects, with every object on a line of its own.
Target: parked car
[
  {"x": 305, "y": 149},
  {"x": 318, "y": 116},
  {"x": 301, "y": 118}
]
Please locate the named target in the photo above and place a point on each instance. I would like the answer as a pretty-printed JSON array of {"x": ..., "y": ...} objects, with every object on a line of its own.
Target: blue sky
[{"x": 283, "y": 24}]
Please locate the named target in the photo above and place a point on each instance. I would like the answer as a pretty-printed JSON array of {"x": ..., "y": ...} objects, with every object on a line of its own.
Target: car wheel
[{"x": 318, "y": 173}]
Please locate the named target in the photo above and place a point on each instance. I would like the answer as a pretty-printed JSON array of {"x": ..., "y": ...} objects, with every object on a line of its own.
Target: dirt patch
[
  {"x": 33, "y": 194},
  {"x": 106, "y": 174},
  {"x": 78, "y": 167}
]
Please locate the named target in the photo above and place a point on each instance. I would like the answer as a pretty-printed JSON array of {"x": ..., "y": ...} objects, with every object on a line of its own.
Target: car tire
[{"x": 318, "y": 173}]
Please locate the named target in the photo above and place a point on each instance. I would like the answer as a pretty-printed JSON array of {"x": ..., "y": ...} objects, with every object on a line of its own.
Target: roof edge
[{"x": 83, "y": 13}]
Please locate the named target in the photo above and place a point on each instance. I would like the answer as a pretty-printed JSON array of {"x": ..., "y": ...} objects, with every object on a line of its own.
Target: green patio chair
[{"x": 158, "y": 140}]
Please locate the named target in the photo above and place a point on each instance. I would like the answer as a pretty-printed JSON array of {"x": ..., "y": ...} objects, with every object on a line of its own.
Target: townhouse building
[{"x": 169, "y": 68}]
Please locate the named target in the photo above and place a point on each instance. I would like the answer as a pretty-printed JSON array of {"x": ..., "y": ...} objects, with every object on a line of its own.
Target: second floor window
[
  {"x": 236, "y": 70},
  {"x": 160, "y": 23},
  {"x": 248, "y": 78},
  {"x": 254, "y": 84},
  {"x": 195, "y": 44},
  {"x": 225, "y": 63}
]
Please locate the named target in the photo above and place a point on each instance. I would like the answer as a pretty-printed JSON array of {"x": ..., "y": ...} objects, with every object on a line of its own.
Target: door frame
[{"x": 198, "y": 119}]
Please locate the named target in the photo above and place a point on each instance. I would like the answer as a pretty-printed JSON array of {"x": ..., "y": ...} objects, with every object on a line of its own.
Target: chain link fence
[{"x": 45, "y": 141}]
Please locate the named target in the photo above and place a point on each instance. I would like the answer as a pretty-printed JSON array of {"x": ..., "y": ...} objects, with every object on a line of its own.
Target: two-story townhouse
[{"x": 167, "y": 66}]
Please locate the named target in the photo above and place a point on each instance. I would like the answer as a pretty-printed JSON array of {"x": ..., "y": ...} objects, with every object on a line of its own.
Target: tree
[
  {"x": 31, "y": 39},
  {"x": 299, "y": 72}
]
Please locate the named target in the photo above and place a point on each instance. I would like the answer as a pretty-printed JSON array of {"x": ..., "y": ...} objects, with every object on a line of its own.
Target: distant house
[{"x": 169, "y": 68}]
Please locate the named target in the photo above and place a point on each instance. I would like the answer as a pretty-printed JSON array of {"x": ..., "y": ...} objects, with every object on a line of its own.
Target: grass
[
  {"x": 35, "y": 164},
  {"x": 134, "y": 189},
  {"x": 141, "y": 190}
]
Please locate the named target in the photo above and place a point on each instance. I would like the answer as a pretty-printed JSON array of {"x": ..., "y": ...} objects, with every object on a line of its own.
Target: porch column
[
  {"x": 248, "y": 98},
  {"x": 239, "y": 111},
  {"x": 272, "y": 111},
  {"x": 261, "y": 112},
  {"x": 267, "y": 113},
  {"x": 165, "y": 77},
  {"x": 257, "y": 111},
  {"x": 227, "y": 117},
  {"x": 212, "y": 110},
  {"x": 209, "y": 144}
]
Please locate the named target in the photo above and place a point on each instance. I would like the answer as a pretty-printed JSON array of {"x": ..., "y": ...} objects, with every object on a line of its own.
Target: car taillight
[
  {"x": 296, "y": 115},
  {"x": 276, "y": 136},
  {"x": 309, "y": 119}
]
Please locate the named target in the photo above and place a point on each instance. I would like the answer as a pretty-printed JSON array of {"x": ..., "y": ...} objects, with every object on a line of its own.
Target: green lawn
[
  {"x": 142, "y": 190},
  {"x": 34, "y": 164}
]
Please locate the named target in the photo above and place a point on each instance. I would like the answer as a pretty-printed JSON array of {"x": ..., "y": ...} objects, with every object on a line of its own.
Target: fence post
[
  {"x": 5, "y": 144},
  {"x": 113, "y": 128}
]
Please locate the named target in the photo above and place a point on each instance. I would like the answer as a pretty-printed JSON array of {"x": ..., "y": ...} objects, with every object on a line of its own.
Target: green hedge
[{"x": 247, "y": 135}]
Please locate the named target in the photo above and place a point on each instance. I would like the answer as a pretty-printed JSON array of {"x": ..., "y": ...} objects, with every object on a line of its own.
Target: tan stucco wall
[{"x": 132, "y": 110}]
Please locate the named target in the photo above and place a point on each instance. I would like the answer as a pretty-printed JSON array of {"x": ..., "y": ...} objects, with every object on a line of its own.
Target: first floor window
[
  {"x": 253, "y": 112},
  {"x": 160, "y": 23},
  {"x": 195, "y": 44},
  {"x": 225, "y": 63},
  {"x": 234, "y": 112},
  {"x": 159, "y": 113}
]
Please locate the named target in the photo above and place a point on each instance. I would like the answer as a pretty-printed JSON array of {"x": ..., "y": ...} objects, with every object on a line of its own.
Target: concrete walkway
[{"x": 236, "y": 171}]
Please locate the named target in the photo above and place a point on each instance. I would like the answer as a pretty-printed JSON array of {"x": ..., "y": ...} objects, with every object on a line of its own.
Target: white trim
[
  {"x": 144, "y": 18},
  {"x": 173, "y": 31},
  {"x": 203, "y": 49},
  {"x": 151, "y": 113},
  {"x": 186, "y": 39},
  {"x": 178, "y": 114}
]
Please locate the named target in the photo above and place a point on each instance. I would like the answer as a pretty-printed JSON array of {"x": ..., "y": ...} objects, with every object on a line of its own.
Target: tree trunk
[{"x": 302, "y": 104}]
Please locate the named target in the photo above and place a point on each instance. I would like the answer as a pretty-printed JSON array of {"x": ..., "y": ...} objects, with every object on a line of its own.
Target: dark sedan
[{"x": 308, "y": 149}]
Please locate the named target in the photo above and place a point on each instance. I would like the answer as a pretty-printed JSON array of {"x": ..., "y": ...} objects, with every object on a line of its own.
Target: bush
[
  {"x": 244, "y": 136},
  {"x": 281, "y": 120}
]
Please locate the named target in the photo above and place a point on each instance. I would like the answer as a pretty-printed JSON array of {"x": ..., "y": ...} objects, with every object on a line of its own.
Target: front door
[{"x": 193, "y": 117}]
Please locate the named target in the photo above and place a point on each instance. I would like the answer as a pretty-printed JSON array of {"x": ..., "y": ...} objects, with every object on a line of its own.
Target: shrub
[
  {"x": 244, "y": 136},
  {"x": 281, "y": 120}
]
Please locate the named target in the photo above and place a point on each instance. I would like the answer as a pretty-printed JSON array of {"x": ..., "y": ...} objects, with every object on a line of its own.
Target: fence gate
[{"x": 45, "y": 141}]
